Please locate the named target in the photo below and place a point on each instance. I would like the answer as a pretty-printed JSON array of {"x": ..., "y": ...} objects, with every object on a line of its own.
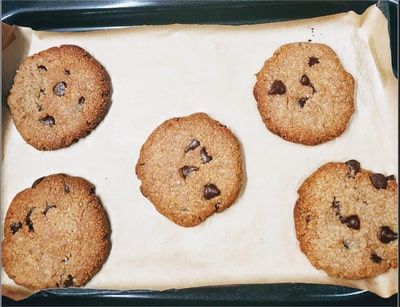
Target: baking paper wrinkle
[{"x": 159, "y": 72}]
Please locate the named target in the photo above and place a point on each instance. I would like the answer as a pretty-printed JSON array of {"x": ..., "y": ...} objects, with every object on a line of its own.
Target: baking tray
[{"x": 75, "y": 15}]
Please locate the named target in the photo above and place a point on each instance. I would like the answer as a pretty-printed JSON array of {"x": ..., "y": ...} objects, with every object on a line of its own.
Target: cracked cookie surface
[
  {"x": 59, "y": 95},
  {"x": 190, "y": 167},
  {"x": 346, "y": 220},
  {"x": 56, "y": 234},
  {"x": 303, "y": 93}
]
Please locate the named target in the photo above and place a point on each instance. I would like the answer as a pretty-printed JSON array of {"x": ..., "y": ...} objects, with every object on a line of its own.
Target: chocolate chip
[
  {"x": 42, "y": 68},
  {"x": 67, "y": 72},
  {"x": 345, "y": 244},
  {"x": 59, "y": 88},
  {"x": 336, "y": 206},
  {"x": 302, "y": 101},
  {"x": 15, "y": 227},
  {"x": 192, "y": 145},
  {"x": 92, "y": 190},
  {"x": 308, "y": 219},
  {"x": 204, "y": 156},
  {"x": 28, "y": 220},
  {"x": 37, "y": 181},
  {"x": 387, "y": 235},
  {"x": 375, "y": 258},
  {"x": 69, "y": 282},
  {"x": 47, "y": 208},
  {"x": 354, "y": 167},
  {"x": 277, "y": 88},
  {"x": 312, "y": 61},
  {"x": 217, "y": 205},
  {"x": 306, "y": 82},
  {"x": 81, "y": 101},
  {"x": 379, "y": 181},
  {"x": 351, "y": 221},
  {"x": 391, "y": 177},
  {"x": 48, "y": 120},
  {"x": 186, "y": 170},
  {"x": 210, "y": 191},
  {"x": 66, "y": 188}
]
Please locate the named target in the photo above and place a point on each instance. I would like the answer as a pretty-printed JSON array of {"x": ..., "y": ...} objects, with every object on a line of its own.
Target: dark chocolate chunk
[
  {"x": 92, "y": 190},
  {"x": 186, "y": 170},
  {"x": 312, "y": 61},
  {"x": 28, "y": 220},
  {"x": 391, "y": 177},
  {"x": 204, "y": 156},
  {"x": 375, "y": 258},
  {"x": 37, "y": 181},
  {"x": 277, "y": 88},
  {"x": 59, "y": 88},
  {"x": 192, "y": 145},
  {"x": 15, "y": 227},
  {"x": 48, "y": 120},
  {"x": 211, "y": 191},
  {"x": 302, "y": 101},
  {"x": 379, "y": 181},
  {"x": 354, "y": 168},
  {"x": 387, "y": 235},
  {"x": 351, "y": 221},
  {"x": 47, "y": 208}
]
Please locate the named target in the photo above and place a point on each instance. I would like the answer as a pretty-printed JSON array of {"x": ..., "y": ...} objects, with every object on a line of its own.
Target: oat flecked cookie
[
  {"x": 56, "y": 234},
  {"x": 59, "y": 95},
  {"x": 303, "y": 93},
  {"x": 190, "y": 167},
  {"x": 346, "y": 220}
]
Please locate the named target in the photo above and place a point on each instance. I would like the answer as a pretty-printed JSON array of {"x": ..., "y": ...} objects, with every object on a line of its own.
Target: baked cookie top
[
  {"x": 346, "y": 220},
  {"x": 56, "y": 234},
  {"x": 303, "y": 93},
  {"x": 190, "y": 167},
  {"x": 58, "y": 96}
]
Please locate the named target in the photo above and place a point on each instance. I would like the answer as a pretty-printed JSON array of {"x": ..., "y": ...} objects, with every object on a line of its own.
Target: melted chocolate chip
[
  {"x": 387, "y": 235},
  {"x": 204, "y": 156},
  {"x": 379, "y": 181},
  {"x": 302, "y": 101},
  {"x": 15, "y": 227},
  {"x": 59, "y": 88},
  {"x": 37, "y": 181},
  {"x": 354, "y": 167},
  {"x": 28, "y": 220},
  {"x": 210, "y": 191},
  {"x": 277, "y": 88},
  {"x": 312, "y": 61},
  {"x": 192, "y": 145},
  {"x": 306, "y": 82},
  {"x": 48, "y": 120},
  {"x": 351, "y": 221},
  {"x": 47, "y": 208},
  {"x": 186, "y": 170},
  {"x": 375, "y": 258}
]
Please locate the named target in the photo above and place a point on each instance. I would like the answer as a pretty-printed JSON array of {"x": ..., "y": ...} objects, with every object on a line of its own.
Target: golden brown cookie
[
  {"x": 190, "y": 167},
  {"x": 59, "y": 95},
  {"x": 346, "y": 220},
  {"x": 303, "y": 93},
  {"x": 56, "y": 234}
]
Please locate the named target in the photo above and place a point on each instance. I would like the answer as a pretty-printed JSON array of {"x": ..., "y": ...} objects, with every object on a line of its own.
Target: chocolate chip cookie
[
  {"x": 56, "y": 234},
  {"x": 346, "y": 220},
  {"x": 59, "y": 95},
  {"x": 303, "y": 93},
  {"x": 190, "y": 167}
]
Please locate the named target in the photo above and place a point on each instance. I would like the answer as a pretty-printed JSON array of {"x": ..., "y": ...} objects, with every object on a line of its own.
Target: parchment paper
[{"x": 159, "y": 72}]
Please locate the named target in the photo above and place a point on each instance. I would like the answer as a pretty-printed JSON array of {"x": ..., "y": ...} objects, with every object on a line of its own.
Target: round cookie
[
  {"x": 58, "y": 96},
  {"x": 190, "y": 167},
  {"x": 303, "y": 93},
  {"x": 56, "y": 234},
  {"x": 346, "y": 220}
]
